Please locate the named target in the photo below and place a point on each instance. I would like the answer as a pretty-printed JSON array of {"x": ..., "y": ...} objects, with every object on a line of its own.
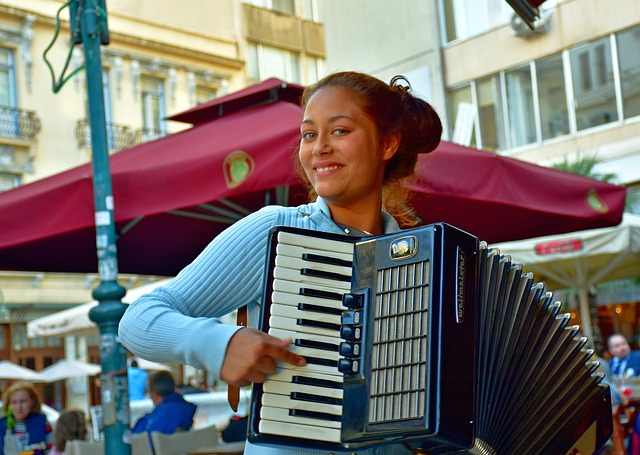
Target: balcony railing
[
  {"x": 18, "y": 123},
  {"x": 148, "y": 134},
  {"x": 119, "y": 137}
]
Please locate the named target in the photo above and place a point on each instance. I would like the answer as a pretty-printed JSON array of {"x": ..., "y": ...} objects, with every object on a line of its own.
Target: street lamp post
[{"x": 89, "y": 28}]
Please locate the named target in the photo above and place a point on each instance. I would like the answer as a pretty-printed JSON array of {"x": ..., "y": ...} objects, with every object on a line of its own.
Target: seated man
[
  {"x": 624, "y": 361},
  {"x": 171, "y": 413}
]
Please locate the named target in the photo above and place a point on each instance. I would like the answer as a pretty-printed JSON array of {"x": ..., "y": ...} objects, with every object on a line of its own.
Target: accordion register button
[
  {"x": 351, "y": 317},
  {"x": 348, "y": 366},
  {"x": 350, "y": 349},
  {"x": 353, "y": 301},
  {"x": 350, "y": 332}
]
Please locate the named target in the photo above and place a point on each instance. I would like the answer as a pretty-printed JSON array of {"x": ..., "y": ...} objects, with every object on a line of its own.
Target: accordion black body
[{"x": 424, "y": 337}]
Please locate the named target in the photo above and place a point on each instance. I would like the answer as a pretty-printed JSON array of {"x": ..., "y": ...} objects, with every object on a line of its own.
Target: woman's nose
[{"x": 321, "y": 146}]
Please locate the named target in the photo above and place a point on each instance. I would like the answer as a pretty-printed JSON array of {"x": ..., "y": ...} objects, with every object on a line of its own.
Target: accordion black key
[{"x": 424, "y": 337}]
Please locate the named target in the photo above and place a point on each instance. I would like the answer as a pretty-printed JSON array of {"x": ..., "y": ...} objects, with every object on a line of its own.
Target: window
[
  {"x": 490, "y": 113},
  {"x": 628, "y": 43},
  {"x": 19, "y": 339},
  {"x": 204, "y": 94},
  {"x": 264, "y": 62},
  {"x": 283, "y": 6},
  {"x": 153, "y": 108},
  {"x": 552, "y": 96},
  {"x": 555, "y": 96},
  {"x": 9, "y": 115},
  {"x": 315, "y": 69},
  {"x": 520, "y": 110},
  {"x": 593, "y": 84},
  {"x": 9, "y": 180},
  {"x": 463, "y": 113},
  {"x": 312, "y": 10},
  {"x": 465, "y": 18}
]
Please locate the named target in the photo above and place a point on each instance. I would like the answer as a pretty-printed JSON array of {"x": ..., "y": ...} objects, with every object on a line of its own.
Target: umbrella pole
[
  {"x": 585, "y": 312},
  {"x": 89, "y": 27}
]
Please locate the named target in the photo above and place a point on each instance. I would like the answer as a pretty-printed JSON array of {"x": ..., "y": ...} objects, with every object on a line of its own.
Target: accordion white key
[{"x": 424, "y": 337}]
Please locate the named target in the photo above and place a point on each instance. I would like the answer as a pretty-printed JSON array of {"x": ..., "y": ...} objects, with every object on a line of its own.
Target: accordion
[{"x": 427, "y": 338}]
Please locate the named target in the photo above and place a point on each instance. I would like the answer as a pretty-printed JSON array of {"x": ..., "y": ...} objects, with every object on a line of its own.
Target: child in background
[{"x": 71, "y": 426}]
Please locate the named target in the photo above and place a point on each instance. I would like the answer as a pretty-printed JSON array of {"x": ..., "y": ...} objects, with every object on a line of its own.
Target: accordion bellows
[
  {"x": 427, "y": 338},
  {"x": 537, "y": 389}
]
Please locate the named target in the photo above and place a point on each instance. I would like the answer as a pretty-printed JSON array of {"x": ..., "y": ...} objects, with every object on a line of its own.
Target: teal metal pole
[{"x": 92, "y": 17}]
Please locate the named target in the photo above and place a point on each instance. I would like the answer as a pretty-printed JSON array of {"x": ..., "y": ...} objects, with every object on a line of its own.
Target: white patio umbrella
[
  {"x": 75, "y": 321},
  {"x": 9, "y": 370},
  {"x": 578, "y": 261},
  {"x": 65, "y": 369}
]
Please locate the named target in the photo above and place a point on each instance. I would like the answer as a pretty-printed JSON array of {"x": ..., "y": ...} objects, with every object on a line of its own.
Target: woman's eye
[
  {"x": 340, "y": 131},
  {"x": 308, "y": 135}
]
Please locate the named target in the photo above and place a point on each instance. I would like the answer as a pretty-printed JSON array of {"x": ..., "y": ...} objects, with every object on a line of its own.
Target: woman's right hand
[{"x": 252, "y": 355}]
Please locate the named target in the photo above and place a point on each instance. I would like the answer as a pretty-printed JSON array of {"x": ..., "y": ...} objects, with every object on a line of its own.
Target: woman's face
[
  {"x": 21, "y": 405},
  {"x": 340, "y": 150}
]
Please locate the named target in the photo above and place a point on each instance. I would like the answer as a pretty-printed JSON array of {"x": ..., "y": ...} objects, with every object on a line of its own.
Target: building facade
[
  {"x": 566, "y": 90},
  {"x": 162, "y": 58}
]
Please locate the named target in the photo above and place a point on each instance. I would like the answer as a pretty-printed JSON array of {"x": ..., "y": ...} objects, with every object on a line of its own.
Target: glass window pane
[
  {"x": 309, "y": 11},
  {"x": 204, "y": 94},
  {"x": 490, "y": 114},
  {"x": 261, "y": 3},
  {"x": 5, "y": 56},
  {"x": 461, "y": 117},
  {"x": 294, "y": 62},
  {"x": 554, "y": 115},
  {"x": 253, "y": 63},
  {"x": 54, "y": 342},
  {"x": 8, "y": 181},
  {"x": 152, "y": 105},
  {"x": 5, "y": 87},
  {"x": 312, "y": 70},
  {"x": 629, "y": 60},
  {"x": 284, "y": 6},
  {"x": 7, "y": 96},
  {"x": 451, "y": 30},
  {"x": 19, "y": 338},
  {"x": 465, "y": 18},
  {"x": 522, "y": 128},
  {"x": 275, "y": 63},
  {"x": 593, "y": 86},
  {"x": 38, "y": 342}
]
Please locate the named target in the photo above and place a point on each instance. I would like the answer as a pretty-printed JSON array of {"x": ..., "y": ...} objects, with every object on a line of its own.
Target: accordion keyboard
[{"x": 310, "y": 278}]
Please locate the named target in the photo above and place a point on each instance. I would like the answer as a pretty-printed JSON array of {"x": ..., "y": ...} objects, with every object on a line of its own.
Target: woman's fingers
[{"x": 252, "y": 355}]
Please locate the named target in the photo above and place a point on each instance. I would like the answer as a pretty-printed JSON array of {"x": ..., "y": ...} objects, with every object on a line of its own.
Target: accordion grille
[{"x": 399, "y": 354}]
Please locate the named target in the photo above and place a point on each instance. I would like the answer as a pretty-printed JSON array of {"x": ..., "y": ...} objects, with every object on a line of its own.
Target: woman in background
[{"x": 24, "y": 427}]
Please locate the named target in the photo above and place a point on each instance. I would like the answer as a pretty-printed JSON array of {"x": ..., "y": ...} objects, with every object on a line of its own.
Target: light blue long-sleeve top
[{"x": 178, "y": 322}]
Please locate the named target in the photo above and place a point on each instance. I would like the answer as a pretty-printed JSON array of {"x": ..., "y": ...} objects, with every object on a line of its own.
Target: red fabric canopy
[{"x": 173, "y": 195}]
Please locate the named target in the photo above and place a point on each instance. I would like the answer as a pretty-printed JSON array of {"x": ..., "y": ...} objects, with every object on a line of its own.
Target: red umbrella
[
  {"x": 496, "y": 197},
  {"x": 173, "y": 195}
]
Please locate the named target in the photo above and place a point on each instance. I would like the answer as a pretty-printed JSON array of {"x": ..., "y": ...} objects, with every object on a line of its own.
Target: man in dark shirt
[
  {"x": 624, "y": 361},
  {"x": 171, "y": 413}
]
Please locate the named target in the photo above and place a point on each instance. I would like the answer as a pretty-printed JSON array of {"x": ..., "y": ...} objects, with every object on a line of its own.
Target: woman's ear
[{"x": 390, "y": 146}]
